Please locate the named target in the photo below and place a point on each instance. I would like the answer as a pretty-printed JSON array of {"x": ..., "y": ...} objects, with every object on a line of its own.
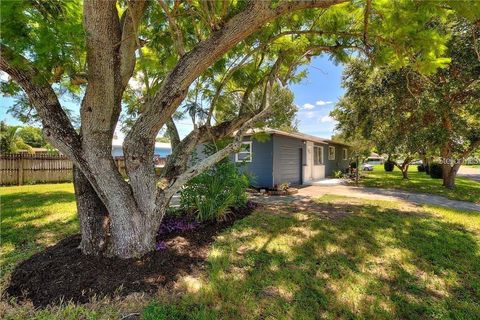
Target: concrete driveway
[
  {"x": 306, "y": 193},
  {"x": 469, "y": 172}
]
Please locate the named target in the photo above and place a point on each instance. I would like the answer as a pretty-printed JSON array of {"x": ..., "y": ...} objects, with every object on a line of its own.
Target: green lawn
[
  {"x": 343, "y": 258},
  {"x": 34, "y": 217},
  {"x": 466, "y": 189},
  {"x": 473, "y": 166}
]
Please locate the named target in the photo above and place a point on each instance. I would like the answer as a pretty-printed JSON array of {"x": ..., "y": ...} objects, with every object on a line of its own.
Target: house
[
  {"x": 162, "y": 150},
  {"x": 293, "y": 158}
]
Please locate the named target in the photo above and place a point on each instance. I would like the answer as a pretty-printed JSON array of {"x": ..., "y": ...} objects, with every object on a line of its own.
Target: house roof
[
  {"x": 296, "y": 135},
  {"x": 159, "y": 145}
]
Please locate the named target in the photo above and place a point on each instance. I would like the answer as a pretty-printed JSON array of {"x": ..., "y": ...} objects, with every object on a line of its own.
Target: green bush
[
  {"x": 338, "y": 174},
  {"x": 436, "y": 171},
  {"x": 421, "y": 168},
  {"x": 427, "y": 169},
  {"x": 353, "y": 165},
  {"x": 389, "y": 166},
  {"x": 211, "y": 193}
]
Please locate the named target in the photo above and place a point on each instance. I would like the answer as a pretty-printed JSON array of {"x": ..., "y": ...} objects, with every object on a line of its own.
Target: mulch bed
[{"x": 62, "y": 272}]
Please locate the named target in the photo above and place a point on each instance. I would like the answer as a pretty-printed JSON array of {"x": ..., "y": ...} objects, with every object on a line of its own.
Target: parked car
[
  {"x": 367, "y": 167},
  {"x": 374, "y": 160}
]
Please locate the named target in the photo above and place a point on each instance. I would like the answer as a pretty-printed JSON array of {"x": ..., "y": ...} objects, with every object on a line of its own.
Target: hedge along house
[{"x": 293, "y": 158}]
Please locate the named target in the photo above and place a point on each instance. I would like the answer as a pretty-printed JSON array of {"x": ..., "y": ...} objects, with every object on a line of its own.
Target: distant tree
[
  {"x": 405, "y": 112},
  {"x": 32, "y": 136},
  {"x": 378, "y": 107},
  {"x": 11, "y": 141},
  {"x": 360, "y": 146},
  {"x": 163, "y": 139}
]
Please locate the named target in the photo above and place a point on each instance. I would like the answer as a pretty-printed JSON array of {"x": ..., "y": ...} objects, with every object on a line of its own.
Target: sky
[{"x": 315, "y": 97}]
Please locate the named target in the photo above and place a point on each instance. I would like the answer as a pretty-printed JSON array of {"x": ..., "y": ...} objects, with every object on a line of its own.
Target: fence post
[{"x": 20, "y": 170}]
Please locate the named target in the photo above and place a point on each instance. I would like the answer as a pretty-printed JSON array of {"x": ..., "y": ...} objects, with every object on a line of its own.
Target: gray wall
[
  {"x": 338, "y": 163},
  {"x": 260, "y": 169},
  {"x": 278, "y": 142}
]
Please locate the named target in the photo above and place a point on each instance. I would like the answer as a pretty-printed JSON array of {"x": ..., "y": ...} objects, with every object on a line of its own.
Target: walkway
[{"x": 370, "y": 194}]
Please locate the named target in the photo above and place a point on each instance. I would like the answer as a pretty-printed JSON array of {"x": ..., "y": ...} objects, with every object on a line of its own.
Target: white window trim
[
  {"x": 243, "y": 152},
  {"x": 345, "y": 154},
  {"x": 329, "y": 155},
  {"x": 321, "y": 158}
]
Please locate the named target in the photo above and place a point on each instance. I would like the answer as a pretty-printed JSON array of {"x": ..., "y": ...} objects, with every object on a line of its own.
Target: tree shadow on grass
[{"x": 373, "y": 263}]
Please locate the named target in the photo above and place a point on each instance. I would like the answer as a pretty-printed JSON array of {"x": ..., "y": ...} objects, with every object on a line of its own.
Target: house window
[
  {"x": 345, "y": 154},
  {"x": 331, "y": 153},
  {"x": 245, "y": 153},
  {"x": 318, "y": 155}
]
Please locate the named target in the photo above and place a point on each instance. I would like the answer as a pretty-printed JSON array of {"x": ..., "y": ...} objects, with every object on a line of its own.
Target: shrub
[
  {"x": 353, "y": 165},
  {"x": 389, "y": 166},
  {"x": 210, "y": 194},
  {"x": 337, "y": 174},
  {"x": 421, "y": 168},
  {"x": 427, "y": 169},
  {"x": 436, "y": 171}
]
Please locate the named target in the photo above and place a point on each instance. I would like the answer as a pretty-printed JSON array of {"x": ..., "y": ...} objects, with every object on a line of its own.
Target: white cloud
[
  {"x": 4, "y": 76},
  {"x": 323, "y": 103},
  {"x": 327, "y": 119},
  {"x": 308, "y": 106},
  {"x": 310, "y": 115}
]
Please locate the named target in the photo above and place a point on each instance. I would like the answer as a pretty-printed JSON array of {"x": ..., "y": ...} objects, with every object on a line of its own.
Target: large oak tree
[{"x": 151, "y": 56}]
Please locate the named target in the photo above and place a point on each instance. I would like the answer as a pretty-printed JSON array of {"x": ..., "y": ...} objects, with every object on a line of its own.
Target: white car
[{"x": 367, "y": 167}]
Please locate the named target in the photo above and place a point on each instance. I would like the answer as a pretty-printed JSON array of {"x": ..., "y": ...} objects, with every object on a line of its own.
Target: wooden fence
[{"x": 18, "y": 169}]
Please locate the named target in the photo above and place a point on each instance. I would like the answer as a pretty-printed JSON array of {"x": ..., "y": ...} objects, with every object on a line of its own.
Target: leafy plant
[
  {"x": 337, "y": 174},
  {"x": 210, "y": 194},
  {"x": 421, "y": 168}
]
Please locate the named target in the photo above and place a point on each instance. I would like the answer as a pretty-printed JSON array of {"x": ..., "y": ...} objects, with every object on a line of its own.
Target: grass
[
  {"x": 465, "y": 189},
  {"x": 343, "y": 258},
  {"x": 33, "y": 217},
  {"x": 383, "y": 260}
]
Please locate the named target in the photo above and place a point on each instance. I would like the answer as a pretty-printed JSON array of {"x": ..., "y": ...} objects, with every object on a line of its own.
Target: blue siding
[
  {"x": 338, "y": 163},
  {"x": 261, "y": 167}
]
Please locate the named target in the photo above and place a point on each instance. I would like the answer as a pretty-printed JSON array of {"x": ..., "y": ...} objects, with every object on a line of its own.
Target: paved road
[
  {"x": 469, "y": 172},
  {"x": 371, "y": 194}
]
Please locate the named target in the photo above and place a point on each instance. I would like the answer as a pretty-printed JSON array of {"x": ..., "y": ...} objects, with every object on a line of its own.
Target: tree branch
[
  {"x": 56, "y": 124},
  {"x": 174, "y": 29},
  {"x": 173, "y": 133},
  {"x": 219, "y": 155},
  {"x": 130, "y": 21},
  {"x": 139, "y": 143},
  {"x": 195, "y": 62}
]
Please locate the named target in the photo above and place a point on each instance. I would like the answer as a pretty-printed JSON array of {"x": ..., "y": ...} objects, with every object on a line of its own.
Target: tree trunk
[
  {"x": 403, "y": 167},
  {"x": 93, "y": 216},
  {"x": 449, "y": 175},
  {"x": 131, "y": 234}
]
